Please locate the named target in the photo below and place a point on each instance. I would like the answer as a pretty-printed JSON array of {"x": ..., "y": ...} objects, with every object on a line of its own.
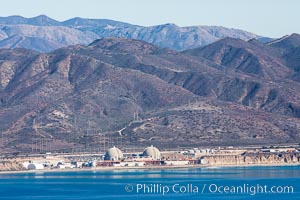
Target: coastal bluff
[
  {"x": 11, "y": 166},
  {"x": 229, "y": 159},
  {"x": 253, "y": 159}
]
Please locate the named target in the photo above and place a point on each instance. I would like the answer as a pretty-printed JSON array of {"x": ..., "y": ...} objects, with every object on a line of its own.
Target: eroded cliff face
[
  {"x": 252, "y": 159},
  {"x": 10, "y": 166}
]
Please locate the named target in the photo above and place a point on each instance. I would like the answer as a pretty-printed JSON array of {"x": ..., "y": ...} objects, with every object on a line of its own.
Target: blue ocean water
[{"x": 150, "y": 184}]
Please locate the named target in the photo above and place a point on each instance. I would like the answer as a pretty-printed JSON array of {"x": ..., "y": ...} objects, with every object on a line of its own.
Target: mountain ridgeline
[
  {"x": 230, "y": 92},
  {"x": 44, "y": 34}
]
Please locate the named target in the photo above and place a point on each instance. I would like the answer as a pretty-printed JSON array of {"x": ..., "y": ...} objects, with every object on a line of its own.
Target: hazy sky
[{"x": 273, "y": 18}]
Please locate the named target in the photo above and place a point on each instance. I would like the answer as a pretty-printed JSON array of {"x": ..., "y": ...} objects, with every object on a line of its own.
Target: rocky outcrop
[{"x": 253, "y": 159}]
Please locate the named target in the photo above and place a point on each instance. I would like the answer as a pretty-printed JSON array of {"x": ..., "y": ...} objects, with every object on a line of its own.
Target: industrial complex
[{"x": 153, "y": 157}]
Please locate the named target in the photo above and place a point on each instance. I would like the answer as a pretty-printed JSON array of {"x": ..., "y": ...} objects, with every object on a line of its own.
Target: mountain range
[
  {"x": 44, "y": 34},
  {"x": 229, "y": 92}
]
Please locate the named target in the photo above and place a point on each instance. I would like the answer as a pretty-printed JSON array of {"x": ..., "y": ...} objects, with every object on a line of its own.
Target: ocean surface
[{"x": 275, "y": 183}]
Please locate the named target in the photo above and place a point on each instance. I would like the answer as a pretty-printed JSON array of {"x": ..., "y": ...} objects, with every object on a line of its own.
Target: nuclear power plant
[{"x": 151, "y": 156}]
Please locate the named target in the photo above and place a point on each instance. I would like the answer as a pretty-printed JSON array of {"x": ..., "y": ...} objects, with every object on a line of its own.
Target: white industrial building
[
  {"x": 33, "y": 166},
  {"x": 176, "y": 162}
]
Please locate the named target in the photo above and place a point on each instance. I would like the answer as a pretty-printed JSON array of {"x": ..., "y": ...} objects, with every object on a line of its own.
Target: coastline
[{"x": 99, "y": 169}]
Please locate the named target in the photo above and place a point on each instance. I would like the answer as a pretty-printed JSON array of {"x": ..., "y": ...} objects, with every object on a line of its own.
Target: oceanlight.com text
[{"x": 176, "y": 188}]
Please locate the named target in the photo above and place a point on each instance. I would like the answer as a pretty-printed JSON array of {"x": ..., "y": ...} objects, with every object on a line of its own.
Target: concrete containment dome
[
  {"x": 152, "y": 152},
  {"x": 33, "y": 166},
  {"x": 113, "y": 154}
]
